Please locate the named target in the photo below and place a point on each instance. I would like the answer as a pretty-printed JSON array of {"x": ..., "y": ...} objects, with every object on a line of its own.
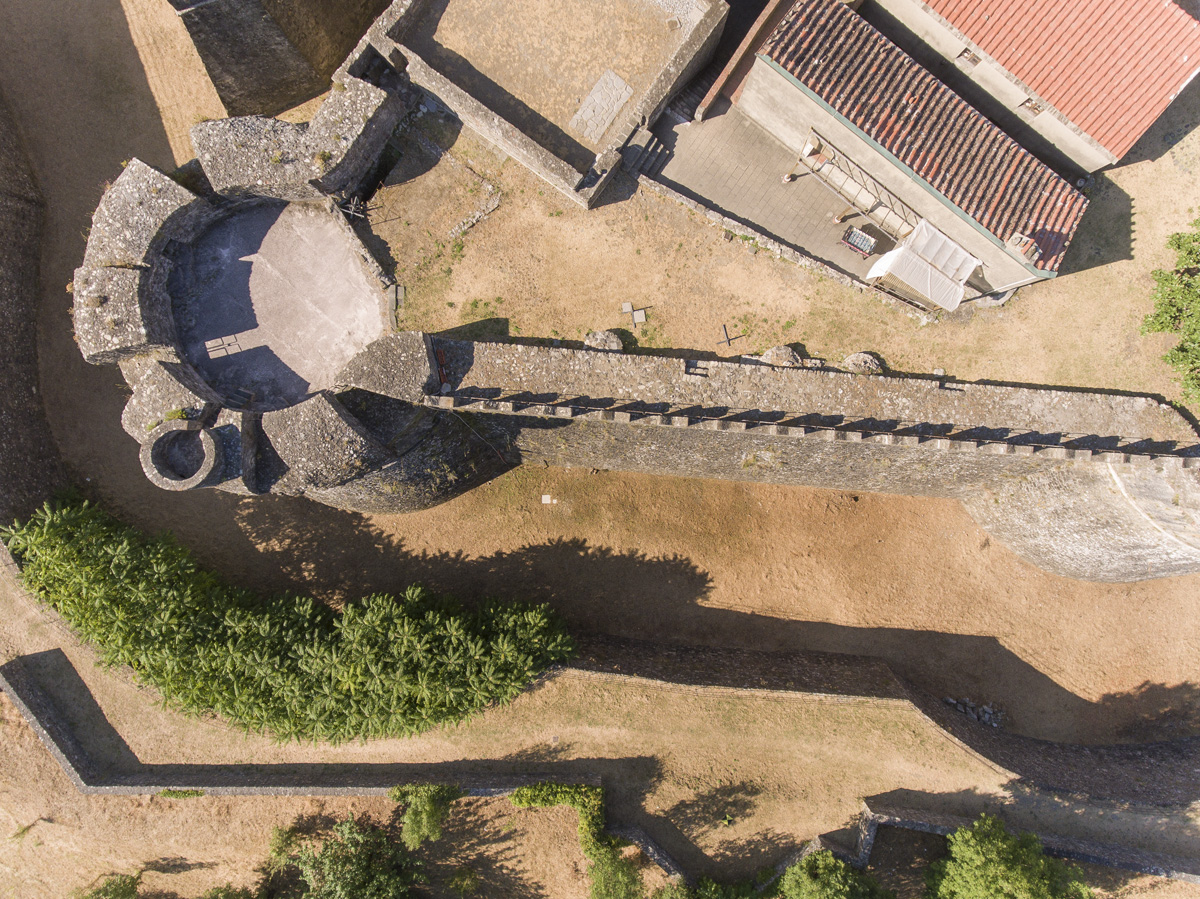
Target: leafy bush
[
  {"x": 288, "y": 665},
  {"x": 822, "y": 876},
  {"x": 120, "y": 886},
  {"x": 985, "y": 861},
  {"x": 357, "y": 862},
  {"x": 710, "y": 889},
  {"x": 229, "y": 892},
  {"x": 426, "y": 808},
  {"x": 612, "y": 875},
  {"x": 1177, "y": 308}
]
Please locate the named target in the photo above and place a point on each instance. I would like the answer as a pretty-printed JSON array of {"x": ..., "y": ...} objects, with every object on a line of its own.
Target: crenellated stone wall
[{"x": 1097, "y": 486}]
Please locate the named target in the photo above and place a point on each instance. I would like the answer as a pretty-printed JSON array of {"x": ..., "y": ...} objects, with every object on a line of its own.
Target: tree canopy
[
  {"x": 1177, "y": 308},
  {"x": 988, "y": 862}
]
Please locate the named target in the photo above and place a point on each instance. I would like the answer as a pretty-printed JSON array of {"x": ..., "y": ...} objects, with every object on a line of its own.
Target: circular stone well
[
  {"x": 180, "y": 455},
  {"x": 275, "y": 301}
]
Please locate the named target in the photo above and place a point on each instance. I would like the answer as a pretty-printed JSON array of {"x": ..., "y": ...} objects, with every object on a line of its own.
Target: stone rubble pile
[{"x": 985, "y": 714}]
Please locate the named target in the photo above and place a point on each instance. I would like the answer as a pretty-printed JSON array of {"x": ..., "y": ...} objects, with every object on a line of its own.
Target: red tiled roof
[
  {"x": 1110, "y": 66},
  {"x": 884, "y": 93}
]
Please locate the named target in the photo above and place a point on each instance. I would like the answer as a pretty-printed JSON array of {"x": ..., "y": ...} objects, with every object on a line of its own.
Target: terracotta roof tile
[
  {"x": 1110, "y": 66},
  {"x": 883, "y": 92}
]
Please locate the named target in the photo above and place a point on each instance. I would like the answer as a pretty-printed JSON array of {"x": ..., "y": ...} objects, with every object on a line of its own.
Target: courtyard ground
[{"x": 910, "y": 580}]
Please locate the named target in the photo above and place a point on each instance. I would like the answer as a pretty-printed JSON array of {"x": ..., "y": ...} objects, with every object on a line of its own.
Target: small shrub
[
  {"x": 120, "y": 886},
  {"x": 710, "y": 889},
  {"x": 357, "y": 861},
  {"x": 284, "y": 841},
  {"x": 229, "y": 892},
  {"x": 986, "y": 861},
  {"x": 822, "y": 876},
  {"x": 180, "y": 794},
  {"x": 426, "y": 809},
  {"x": 464, "y": 882},
  {"x": 613, "y": 876}
]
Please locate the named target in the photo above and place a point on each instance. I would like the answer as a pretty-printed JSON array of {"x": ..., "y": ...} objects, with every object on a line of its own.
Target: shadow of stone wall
[
  {"x": 30, "y": 468},
  {"x": 265, "y": 56}
]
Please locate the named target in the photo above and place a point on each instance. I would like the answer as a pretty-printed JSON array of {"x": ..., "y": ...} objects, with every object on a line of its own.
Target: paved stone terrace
[
  {"x": 731, "y": 163},
  {"x": 489, "y": 369}
]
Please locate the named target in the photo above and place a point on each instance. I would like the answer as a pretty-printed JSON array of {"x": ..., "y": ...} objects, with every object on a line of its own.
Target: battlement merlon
[{"x": 924, "y": 406}]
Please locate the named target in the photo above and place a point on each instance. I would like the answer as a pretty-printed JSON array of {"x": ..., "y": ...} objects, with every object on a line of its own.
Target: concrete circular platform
[{"x": 275, "y": 301}]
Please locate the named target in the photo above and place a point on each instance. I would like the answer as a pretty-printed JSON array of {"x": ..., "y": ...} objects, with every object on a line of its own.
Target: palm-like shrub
[{"x": 287, "y": 665}]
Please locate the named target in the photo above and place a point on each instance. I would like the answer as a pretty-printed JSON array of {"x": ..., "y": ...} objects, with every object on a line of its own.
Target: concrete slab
[
  {"x": 275, "y": 302},
  {"x": 732, "y": 164}
]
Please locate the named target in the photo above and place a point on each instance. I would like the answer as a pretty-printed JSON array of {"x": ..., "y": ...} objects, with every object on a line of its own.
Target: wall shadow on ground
[
  {"x": 463, "y": 73},
  {"x": 605, "y": 593},
  {"x": 1106, "y": 232},
  {"x": 48, "y": 683},
  {"x": 103, "y": 758}
]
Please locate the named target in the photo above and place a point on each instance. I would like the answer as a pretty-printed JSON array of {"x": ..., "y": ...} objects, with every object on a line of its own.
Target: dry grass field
[{"x": 912, "y": 581}]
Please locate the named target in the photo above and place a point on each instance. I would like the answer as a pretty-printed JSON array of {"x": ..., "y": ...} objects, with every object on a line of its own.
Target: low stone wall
[{"x": 496, "y": 130}]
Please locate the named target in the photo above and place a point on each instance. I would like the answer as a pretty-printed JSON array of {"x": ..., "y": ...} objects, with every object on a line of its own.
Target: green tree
[
  {"x": 988, "y": 862},
  {"x": 426, "y": 808},
  {"x": 357, "y": 861},
  {"x": 820, "y": 875},
  {"x": 1177, "y": 308}
]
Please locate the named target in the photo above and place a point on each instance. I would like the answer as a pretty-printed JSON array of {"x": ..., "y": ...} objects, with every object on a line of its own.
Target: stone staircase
[{"x": 645, "y": 154}]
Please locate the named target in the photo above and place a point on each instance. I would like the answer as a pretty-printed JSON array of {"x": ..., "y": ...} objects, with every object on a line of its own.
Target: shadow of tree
[
  {"x": 485, "y": 844},
  {"x": 718, "y": 807},
  {"x": 1154, "y": 711}
]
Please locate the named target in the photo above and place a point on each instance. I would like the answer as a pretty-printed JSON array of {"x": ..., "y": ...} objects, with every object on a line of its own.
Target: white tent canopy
[{"x": 930, "y": 264}]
